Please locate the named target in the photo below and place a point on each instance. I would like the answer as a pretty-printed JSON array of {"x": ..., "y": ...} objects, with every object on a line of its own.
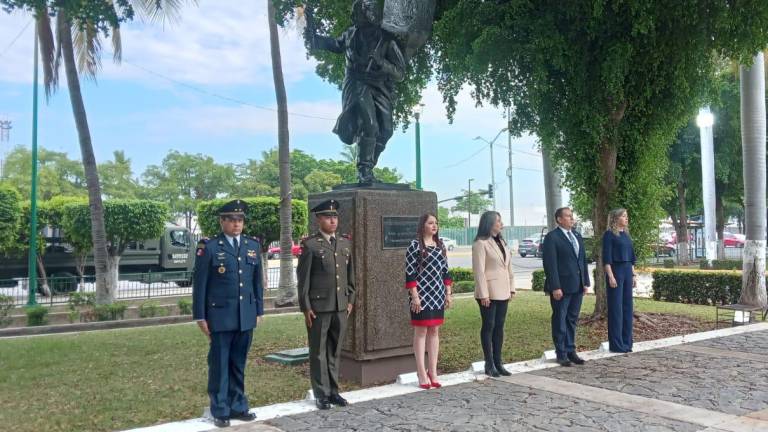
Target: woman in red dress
[{"x": 429, "y": 286}]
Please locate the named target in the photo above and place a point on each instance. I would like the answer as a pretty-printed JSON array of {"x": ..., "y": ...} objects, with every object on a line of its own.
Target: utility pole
[
  {"x": 417, "y": 114},
  {"x": 469, "y": 204},
  {"x": 5, "y": 137},
  {"x": 490, "y": 145},
  {"x": 509, "y": 169}
]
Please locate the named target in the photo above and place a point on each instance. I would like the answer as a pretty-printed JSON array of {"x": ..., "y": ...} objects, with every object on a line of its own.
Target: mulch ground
[{"x": 647, "y": 326}]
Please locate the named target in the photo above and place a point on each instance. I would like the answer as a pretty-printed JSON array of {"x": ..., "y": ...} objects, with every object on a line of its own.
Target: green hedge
[
  {"x": 37, "y": 315},
  {"x": 697, "y": 286},
  {"x": 537, "y": 283},
  {"x": 463, "y": 287},
  {"x": 185, "y": 306},
  {"x": 721, "y": 265},
  {"x": 459, "y": 274},
  {"x": 262, "y": 219}
]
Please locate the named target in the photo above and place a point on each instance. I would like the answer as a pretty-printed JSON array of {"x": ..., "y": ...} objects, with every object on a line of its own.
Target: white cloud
[{"x": 221, "y": 43}]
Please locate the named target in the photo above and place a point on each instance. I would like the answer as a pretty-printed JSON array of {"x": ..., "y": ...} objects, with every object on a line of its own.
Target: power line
[
  {"x": 218, "y": 96},
  {"x": 5, "y": 51},
  {"x": 482, "y": 149}
]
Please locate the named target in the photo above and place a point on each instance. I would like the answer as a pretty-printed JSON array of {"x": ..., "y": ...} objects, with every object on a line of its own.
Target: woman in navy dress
[
  {"x": 619, "y": 264},
  {"x": 429, "y": 286}
]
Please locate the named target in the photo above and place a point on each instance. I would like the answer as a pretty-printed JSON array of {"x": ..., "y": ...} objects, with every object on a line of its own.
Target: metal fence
[
  {"x": 465, "y": 236},
  {"x": 130, "y": 286}
]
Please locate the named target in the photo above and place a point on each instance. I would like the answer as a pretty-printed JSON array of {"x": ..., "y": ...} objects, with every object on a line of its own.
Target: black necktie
[
  {"x": 332, "y": 239},
  {"x": 234, "y": 243}
]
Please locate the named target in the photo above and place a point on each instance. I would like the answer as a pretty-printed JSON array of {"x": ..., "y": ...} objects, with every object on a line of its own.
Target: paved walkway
[{"x": 712, "y": 385}]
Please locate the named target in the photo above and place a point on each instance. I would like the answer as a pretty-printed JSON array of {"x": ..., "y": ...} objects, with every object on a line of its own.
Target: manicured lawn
[{"x": 112, "y": 380}]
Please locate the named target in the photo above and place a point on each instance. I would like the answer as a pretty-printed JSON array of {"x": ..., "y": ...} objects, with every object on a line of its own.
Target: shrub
[
  {"x": 73, "y": 315},
  {"x": 37, "y": 315},
  {"x": 6, "y": 305},
  {"x": 697, "y": 286},
  {"x": 110, "y": 312},
  {"x": 722, "y": 265},
  {"x": 537, "y": 283},
  {"x": 459, "y": 274},
  {"x": 80, "y": 299},
  {"x": 185, "y": 306},
  {"x": 669, "y": 263},
  {"x": 464, "y": 286},
  {"x": 152, "y": 308}
]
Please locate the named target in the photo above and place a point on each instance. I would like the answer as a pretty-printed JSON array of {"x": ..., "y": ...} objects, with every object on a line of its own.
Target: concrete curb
[
  {"x": 405, "y": 383},
  {"x": 110, "y": 325}
]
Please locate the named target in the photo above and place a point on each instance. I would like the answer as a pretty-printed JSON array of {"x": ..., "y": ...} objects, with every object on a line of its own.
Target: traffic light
[{"x": 490, "y": 191}]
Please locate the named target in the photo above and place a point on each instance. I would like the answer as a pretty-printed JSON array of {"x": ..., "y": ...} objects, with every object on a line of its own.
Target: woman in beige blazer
[{"x": 494, "y": 286}]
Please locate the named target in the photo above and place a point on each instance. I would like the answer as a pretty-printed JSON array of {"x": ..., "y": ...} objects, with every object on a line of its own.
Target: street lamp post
[
  {"x": 32, "y": 263},
  {"x": 5, "y": 137},
  {"x": 490, "y": 145},
  {"x": 705, "y": 120},
  {"x": 509, "y": 169},
  {"x": 417, "y": 110}
]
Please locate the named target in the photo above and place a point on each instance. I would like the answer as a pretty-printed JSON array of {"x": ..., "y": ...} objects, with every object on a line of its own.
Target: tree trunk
[
  {"x": 552, "y": 192},
  {"x": 681, "y": 228},
  {"x": 286, "y": 295},
  {"x": 753, "y": 151},
  {"x": 605, "y": 191},
  {"x": 43, "y": 287},
  {"x": 114, "y": 272},
  {"x": 104, "y": 287},
  {"x": 720, "y": 225}
]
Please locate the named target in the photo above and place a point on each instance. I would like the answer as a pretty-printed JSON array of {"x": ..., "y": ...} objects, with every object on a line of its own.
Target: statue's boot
[
  {"x": 365, "y": 160},
  {"x": 377, "y": 152}
]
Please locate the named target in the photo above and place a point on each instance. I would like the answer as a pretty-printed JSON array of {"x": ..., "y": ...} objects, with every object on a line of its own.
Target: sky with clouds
[{"x": 204, "y": 85}]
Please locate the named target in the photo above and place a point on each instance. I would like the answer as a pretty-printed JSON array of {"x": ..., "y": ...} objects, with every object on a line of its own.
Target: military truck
[{"x": 169, "y": 258}]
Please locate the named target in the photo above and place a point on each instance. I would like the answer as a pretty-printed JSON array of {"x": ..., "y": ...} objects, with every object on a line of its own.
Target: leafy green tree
[
  {"x": 10, "y": 216},
  {"x": 683, "y": 170},
  {"x": 321, "y": 181},
  {"x": 474, "y": 203},
  {"x": 126, "y": 221},
  {"x": 117, "y": 178},
  {"x": 448, "y": 221},
  {"x": 57, "y": 174},
  {"x": 183, "y": 180}
]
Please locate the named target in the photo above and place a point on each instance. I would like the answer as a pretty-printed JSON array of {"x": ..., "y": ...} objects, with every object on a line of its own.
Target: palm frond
[
  {"x": 47, "y": 52},
  {"x": 160, "y": 10},
  {"x": 87, "y": 47},
  {"x": 117, "y": 45}
]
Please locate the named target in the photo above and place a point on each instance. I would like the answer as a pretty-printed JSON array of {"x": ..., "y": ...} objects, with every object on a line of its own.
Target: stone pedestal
[{"x": 378, "y": 345}]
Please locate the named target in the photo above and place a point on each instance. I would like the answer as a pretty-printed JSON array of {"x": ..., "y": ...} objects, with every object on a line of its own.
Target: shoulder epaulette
[{"x": 347, "y": 236}]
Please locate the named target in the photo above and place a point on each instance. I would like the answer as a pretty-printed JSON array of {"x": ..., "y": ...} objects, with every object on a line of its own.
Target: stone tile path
[{"x": 713, "y": 385}]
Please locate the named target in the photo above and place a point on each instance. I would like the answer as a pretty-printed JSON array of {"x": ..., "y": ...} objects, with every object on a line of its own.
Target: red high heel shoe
[
  {"x": 425, "y": 386},
  {"x": 432, "y": 380}
]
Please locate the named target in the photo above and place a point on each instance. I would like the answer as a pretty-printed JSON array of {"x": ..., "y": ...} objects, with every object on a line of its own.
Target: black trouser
[{"x": 492, "y": 330}]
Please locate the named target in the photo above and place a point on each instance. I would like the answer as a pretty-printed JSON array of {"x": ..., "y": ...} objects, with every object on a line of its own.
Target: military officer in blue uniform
[
  {"x": 326, "y": 285},
  {"x": 227, "y": 300}
]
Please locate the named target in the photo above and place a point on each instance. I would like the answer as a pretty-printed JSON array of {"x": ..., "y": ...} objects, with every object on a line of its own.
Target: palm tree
[
  {"x": 81, "y": 54},
  {"x": 753, "y": 148},
  {"x": 349, "y": 153},
  {"x": 286, "y": 290}
]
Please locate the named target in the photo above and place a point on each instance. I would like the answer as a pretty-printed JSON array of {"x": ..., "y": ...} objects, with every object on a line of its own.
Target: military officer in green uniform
[
  {"x": 326, "y": 285},
  {"x": 227, "y": 302}
]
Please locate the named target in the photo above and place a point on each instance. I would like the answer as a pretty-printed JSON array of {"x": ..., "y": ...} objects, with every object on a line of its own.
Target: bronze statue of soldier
[{"x": 374, "y": 64}]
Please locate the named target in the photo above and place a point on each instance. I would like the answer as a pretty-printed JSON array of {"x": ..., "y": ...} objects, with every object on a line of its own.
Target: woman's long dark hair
[
  {"x": 420, "y": 237},
  {"x": 487, "y": 220}
]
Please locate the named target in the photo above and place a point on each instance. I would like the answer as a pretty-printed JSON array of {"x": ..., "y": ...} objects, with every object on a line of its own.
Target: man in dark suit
[
  {"x": 326, "y": 285},
  {"x": 227, "y": 298},
  {"x": 567, "y": 280}
]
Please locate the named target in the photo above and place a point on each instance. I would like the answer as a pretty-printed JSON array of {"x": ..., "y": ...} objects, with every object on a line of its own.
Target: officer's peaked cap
[
  {"x": 234, "y": 207},
  {"x": 328, "y": 208}
]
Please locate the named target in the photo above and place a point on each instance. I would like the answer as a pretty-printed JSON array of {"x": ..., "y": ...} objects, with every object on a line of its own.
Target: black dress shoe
[
  {"x": 220, "y": 422},
  {"x": 574, "y": 358},
  {"x": 246, "y": 416},
  {"x": 491, "y": 371},
  {"x": 323, "y": 404},
  {"x": 337, "y": 400},
  {"x": 564, "y": 362},
  {"x": 502, "y": 371}
]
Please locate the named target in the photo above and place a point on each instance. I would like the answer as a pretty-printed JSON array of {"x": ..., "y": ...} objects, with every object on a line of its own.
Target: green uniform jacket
[{"x": 326, "y": 277}]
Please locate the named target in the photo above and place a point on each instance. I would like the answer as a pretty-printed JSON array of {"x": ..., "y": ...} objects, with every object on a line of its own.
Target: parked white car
[{"x": 448, "y": 242}]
